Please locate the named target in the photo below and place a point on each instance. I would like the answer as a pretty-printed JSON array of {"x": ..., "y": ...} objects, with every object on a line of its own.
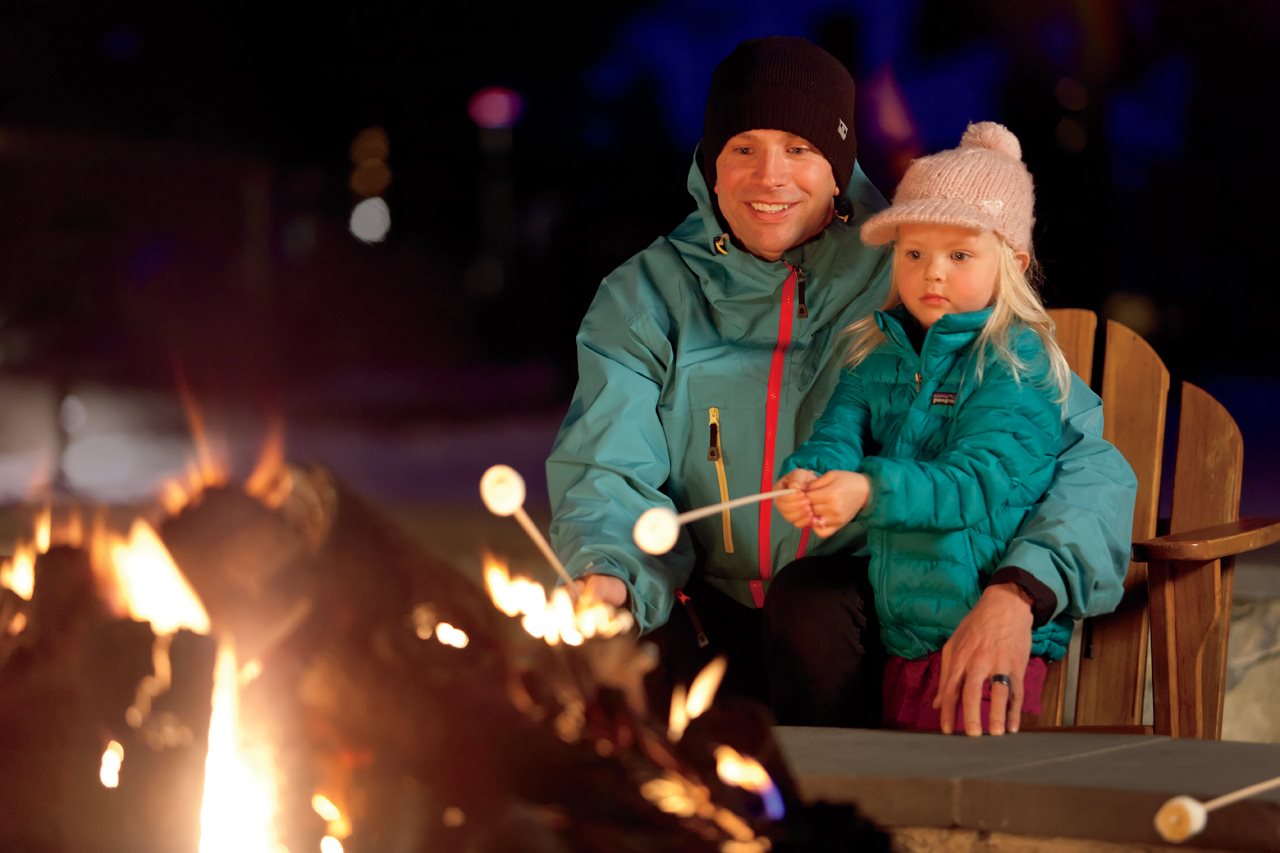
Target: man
[{"x": 705, "y": 360}]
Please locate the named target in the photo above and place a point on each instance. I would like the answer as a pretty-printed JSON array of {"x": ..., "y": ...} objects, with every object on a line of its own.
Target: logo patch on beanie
[{"x": 842, "y": 129}]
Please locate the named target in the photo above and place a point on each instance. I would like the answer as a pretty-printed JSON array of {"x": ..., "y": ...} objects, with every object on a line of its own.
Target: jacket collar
[{"x": 952, "y": 332}]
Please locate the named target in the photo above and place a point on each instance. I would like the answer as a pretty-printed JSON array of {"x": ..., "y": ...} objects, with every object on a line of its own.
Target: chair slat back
[
  {"x": 1191, "y": 605},
  {"x": 1209, "y": 466},
  {"x": 1074, "y": 330}
]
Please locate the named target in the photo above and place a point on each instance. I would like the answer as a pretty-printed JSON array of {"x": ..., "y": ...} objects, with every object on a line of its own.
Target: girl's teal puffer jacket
[{"x": 956, "y": 464}]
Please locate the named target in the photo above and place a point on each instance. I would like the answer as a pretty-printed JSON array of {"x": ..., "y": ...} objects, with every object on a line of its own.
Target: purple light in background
[{"x": 495, "y": 107}]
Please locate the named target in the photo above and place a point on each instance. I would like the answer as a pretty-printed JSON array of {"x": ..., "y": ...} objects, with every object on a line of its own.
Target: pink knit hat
[{"x": 982, "y": 184}]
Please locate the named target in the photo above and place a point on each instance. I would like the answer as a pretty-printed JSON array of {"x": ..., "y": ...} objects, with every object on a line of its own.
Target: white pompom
[
  {"x": 1180, "y": 818},
  {"x": 502, "y": 490},
  {"x": 996, "y": 137},
  {"x": 656, "y": 530}
]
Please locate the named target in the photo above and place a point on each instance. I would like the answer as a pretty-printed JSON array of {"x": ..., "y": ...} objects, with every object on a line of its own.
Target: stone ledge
[
  {"x": 932, "y": 840},
  {"x": 1042, "y": 785}
]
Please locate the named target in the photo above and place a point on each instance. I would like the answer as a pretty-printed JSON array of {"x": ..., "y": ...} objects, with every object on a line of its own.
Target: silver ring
[{"x": 1001, "y": 678}]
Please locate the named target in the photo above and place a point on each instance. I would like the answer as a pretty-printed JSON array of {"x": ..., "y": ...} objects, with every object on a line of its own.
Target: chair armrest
[{"x": 1210, "y": 543}]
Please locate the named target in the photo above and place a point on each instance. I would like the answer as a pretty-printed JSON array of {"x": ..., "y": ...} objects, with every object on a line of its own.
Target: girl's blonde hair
[{"x": 1016, "y": 300}]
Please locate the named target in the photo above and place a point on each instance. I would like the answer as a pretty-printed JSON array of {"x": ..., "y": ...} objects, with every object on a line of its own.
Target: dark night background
[{"x": 175, "y": 184}]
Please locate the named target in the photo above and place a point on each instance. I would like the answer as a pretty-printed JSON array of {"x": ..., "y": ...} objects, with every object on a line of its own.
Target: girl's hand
[
  {"x": 836, "y": 498},
  {"x": 795, "y": 507}
]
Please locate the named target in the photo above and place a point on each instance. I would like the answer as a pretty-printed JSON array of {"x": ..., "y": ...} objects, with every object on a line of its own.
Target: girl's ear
[{"x": 1023, "y": 259}]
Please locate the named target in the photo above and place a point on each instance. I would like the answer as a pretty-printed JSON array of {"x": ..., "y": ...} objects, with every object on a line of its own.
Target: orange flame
[
  {"x": 239, "y": 787},
  {"x": 269, "y": 481},
  {"x": 44, "y": 528},
  {"x": 685, "y": 708},
  {"x": 147, "y": 584},
  {"x": 675, "y": 795},
  {"x": 69, "y": 529},
  {"x": 750, "y": 775},
  {"x": 18, "y": 573},
  {"x": 554, "y": 620},
  {"x": 209, "y": 466},
  {"x": 176, "y": 494}
]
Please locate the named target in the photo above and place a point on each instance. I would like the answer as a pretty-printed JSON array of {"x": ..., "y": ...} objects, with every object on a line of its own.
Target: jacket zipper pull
[
  {"x": 917, "y": 383},
  {"x": 802, "y": 311},
  {"x": 713, "y": 451}
]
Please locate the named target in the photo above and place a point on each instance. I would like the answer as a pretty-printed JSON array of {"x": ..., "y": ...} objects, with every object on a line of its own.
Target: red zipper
[{"x": 772, "y": 404}]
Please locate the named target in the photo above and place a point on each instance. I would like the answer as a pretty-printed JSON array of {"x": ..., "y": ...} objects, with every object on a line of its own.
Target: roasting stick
[
  {"x": 657, "y": 529},
  {"x": 503, "y": 492},
  {"x": 1183, "y": 816}
]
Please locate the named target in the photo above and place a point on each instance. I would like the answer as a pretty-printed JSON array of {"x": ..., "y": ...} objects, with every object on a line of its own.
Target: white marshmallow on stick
[
  {"x": 503, "y": 492},
  {"x": 1182, "y": 817},
  {"x": 657, "y": 529}
]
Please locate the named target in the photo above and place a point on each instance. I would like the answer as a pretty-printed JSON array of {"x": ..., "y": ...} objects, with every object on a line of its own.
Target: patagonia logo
[{"x": 943, "y": 398}]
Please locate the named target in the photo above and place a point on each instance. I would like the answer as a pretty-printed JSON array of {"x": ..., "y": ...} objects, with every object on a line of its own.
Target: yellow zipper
[{"x": 715, "y": 453}]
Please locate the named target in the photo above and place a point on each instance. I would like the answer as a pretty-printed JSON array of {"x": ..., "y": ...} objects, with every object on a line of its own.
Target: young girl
[{"x": 943, "y": 430}]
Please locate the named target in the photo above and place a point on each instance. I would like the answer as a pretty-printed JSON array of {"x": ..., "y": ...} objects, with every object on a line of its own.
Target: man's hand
[
  {"x": 795, "y": 507},
  {"x": 604, "y": 588},
  {"x": 836, "y": 497},
  {"x": 995, "y": 638}
]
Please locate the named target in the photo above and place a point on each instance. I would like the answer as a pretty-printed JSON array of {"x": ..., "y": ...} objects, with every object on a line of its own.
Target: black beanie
[{"x": 781, "y": 83}]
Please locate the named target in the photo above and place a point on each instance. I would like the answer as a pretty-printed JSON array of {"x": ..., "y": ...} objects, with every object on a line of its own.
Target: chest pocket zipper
[{"x": 715, "y": 453}]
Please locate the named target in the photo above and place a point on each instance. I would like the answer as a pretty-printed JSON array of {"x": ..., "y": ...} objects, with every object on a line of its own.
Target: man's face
[{"x": 775, "y": 189}]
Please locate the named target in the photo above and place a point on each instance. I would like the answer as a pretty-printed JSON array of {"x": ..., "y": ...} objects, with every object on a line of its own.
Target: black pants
[{"x": 812, "y": 653}]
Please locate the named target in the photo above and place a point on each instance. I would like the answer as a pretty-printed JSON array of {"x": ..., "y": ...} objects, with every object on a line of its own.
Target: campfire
[{"x": 274, "y": 665}]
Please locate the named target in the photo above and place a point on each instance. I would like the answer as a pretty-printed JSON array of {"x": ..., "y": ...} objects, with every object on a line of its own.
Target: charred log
[{"x": 66, "y": 687}]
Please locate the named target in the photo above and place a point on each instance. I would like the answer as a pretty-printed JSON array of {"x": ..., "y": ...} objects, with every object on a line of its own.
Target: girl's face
[{"x": 946, "y": 269}]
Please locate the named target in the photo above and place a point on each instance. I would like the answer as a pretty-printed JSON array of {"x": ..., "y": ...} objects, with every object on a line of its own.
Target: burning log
[
  {"x": 38, "y": 699},
  {"x": 155, "y": 804},
  {"x": 404, "y": 710},
  {"x": 67, "y": 682},
  {"x": 403, "y": 667}
]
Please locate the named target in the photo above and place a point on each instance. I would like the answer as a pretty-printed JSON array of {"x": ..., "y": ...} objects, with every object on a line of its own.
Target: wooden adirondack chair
[{"x": 1178, "y": 589}]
